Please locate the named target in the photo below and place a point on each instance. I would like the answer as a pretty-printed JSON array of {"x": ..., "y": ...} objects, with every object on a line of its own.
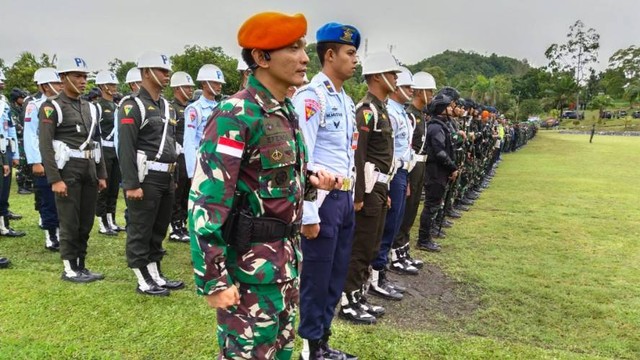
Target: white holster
[
  {"x": 61, "y": 151},
  {"x": 141, "y": 161}
]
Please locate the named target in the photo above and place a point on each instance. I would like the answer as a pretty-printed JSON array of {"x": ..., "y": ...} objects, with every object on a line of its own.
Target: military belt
[
  {"x": 267, "y": 229},
  {"x": 420, "y": 158},
  {"x": 80, "y": 154},
  {"x": 161, "y": 167},
  {"x": 107, "y": 143},
  {"x": 383, "y": 178}
]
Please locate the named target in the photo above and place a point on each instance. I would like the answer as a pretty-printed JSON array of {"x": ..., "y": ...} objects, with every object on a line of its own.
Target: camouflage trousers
[{"x": 261, "y": 327}]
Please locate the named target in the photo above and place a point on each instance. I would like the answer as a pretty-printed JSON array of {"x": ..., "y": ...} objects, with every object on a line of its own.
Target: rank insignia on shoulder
[
  {"x": 311, "y": 107},
  {"x": 127, "y": 109},
  {"x": 48, "y": 111},
  {"x": 151, "y": 107},
  {"x": 367, "y": 115},
  {"x": 276, "y": 155}
]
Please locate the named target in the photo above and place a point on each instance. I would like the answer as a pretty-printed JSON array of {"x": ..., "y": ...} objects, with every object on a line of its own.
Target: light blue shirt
[
  {"x": 402, "y": 130},
  {"x": 30, "y": 137},
  {"x": 327, "y": 121},
  {"x": 7, "y": 130},
  {"x": 195, "y": 119}
]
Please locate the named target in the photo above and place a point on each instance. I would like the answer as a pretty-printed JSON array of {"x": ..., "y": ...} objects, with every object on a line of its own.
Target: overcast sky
[{"x": 99, "y": 31}]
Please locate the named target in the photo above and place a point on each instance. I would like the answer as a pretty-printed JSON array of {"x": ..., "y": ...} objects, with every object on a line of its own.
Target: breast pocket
[{"x": 277, "y": 175}]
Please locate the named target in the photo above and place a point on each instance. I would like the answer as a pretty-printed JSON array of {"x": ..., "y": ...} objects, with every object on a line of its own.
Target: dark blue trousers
[
  {"x": 47, "y": 203},
  {"x": 4, "y": 194},
  {"x": 393, "y": 221},
  {"x": 325, "y": 264}
]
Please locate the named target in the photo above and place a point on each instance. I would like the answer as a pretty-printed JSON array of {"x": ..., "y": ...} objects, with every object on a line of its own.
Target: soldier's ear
[{"x": 261, "y": 58}]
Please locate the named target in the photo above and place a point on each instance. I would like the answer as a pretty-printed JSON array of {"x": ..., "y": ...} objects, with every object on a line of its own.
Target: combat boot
[
  {"x": 312, "y": 350},
  {"x": 472, "y": 195},
  {"x": 13, "y": 216},
  {"x": 161, "y": 280},
  {"x": 6, "y": 230},
  {"x": 4, "y": 263},
  {"x": 380, "y": 286},
  {"x": 352, "y": 309},
  {"x": 452, "y": 213},
  {"x": 417, "y": 263},
  {"x": 105, "y": 228},
  {"x": 375, "y": 310},
  {"x": 51, "y": 240},
  {"x": 146, "y": 285},
  {"x": 333, "y": 354},
  {"x": 111, "y": 219},
  {"x": 446, "y": 223},
  {"x": 72, "y": 273},
  {"x": 399, "y": 264},
  {"x": 427, "y": 245},
  {"x": 462, "y": 207},
  {"x": 177, "y": 232},
  {"x": 87, "y": 272},
  {"x": 465, "y": 201},
  {"x": 438, "y": 233},
  {"x": 185, "y": 232}
]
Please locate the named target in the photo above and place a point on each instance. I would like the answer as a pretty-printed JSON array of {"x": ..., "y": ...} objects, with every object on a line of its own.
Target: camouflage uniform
[{"x": 251, "y": 144}]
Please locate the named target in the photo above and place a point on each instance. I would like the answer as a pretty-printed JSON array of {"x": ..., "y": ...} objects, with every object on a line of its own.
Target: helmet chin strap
[
  {"x": 393, "y": 89},
  {"x": 53, "y": 89},
  {"x": 106, "y": 89},
  {"x": 406, "y": 97},
  {"x": 183, "y": 93},
  {"x": 74, "y": 87},
  {"x": 153, "y": 73},
  {"x": 215, "y": 93},
  {"x": 424, "y": 96}
]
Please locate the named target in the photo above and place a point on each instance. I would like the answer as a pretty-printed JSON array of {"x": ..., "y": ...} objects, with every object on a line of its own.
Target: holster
[
  {"x": 61, "y": 152},
  {"x": 141, "y": 161}
]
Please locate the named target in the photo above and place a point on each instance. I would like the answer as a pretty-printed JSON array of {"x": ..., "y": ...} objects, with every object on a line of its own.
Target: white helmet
[
  {"x": 72, "y": 64},
  {"x": 133, "y": 76},
  {"x": 424, "y": 80},
  {"x": 154, "y": 59},
  {"x": 2, "y": 78},
  {"x": 36, "y": 74},
  {"x": 106, "y": 77},
  {"x": 47, "y": 75},
  {"x": 404, "y": 78},
  {"x": 210, "y": 72},
  {"x": 181, "y": 78},
  {"x": 242, "y": 66},
  {"x": 379, "y": 63}
]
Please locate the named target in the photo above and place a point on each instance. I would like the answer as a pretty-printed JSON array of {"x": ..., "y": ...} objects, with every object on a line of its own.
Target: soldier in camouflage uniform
[{"x": 246, "y": 199}]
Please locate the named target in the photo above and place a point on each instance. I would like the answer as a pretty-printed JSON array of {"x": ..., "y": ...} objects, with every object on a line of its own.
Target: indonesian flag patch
[
  {"x": 230, "y": 147},
  {"x": 311, "y": 107}
]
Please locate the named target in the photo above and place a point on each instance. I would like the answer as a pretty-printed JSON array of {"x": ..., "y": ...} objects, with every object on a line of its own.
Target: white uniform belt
[
  {"x": 383, "y": 178},
  {"x": 162, "y": 167},
  {"x": 401, "y": 164},
  {"x": 107, "y": 143},
  {"x": 420, "y": 158},
  {"x": 80, "y": 154}
]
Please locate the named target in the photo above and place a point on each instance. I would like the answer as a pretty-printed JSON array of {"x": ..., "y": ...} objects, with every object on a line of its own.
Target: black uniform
[
  {"x": 108, "y": 199},
  {"x": 148, "y": 218},
  {"x": 80, "y": 174},
  {"x": 439, "y": 167},
  {"x": 375, "y": 145},
  {"x": 179, "y": 216}
]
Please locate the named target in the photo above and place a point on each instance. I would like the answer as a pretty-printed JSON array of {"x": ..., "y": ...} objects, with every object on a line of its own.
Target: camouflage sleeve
[
  {"x": 211, "y": 196},
  {"x": 364, "y": 120}
]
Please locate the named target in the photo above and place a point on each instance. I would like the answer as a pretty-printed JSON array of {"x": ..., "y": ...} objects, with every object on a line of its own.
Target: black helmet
[
  {"x": 16, "y": 94},
  {"x": 94, "y": 93},
  {"x": 439, "y": 103},
  {"x": 450, "y": 92}
]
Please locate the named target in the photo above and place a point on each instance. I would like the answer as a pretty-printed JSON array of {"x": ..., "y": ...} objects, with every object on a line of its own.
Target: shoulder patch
[
  {"x": 30, "y": 108},
  {"x": 193, "y": 114},
  {"x": 127, "y": 109},
  {"x": 48, "y": 111},
  {"x": 230, "y": 147},
  {"x": 368, "y": 115},
  {"x": 127, "y": 121},
  {"x": 311, "y": 107}
]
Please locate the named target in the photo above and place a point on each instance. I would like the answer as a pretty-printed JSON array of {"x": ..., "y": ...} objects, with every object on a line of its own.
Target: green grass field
[{"x": 551, "y": 250}]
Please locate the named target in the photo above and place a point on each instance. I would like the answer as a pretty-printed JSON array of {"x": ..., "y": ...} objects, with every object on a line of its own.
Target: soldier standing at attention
[
  {"x": 374, "y": 167},
  {"x": 147, "y": 154},
  {"x": 9, "y": 146},
  {"x": 73, "y": 166},
  {"x": 327, "y": 116},
  {"x": 108, "y": 199},
  {"x": 50, "y": 85},
  {"x": 182, "y": 86},
  {"x": 423, "y": 86},
  {"x": 198, "y": 112},
  {"x": 246, "y": 199}
]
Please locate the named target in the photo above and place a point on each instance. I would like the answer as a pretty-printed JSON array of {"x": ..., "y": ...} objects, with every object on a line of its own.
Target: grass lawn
[{"x": 551, "y": 250}]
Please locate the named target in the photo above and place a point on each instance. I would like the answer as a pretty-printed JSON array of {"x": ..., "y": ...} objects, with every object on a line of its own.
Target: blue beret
[{"x": 339, "y": 33}]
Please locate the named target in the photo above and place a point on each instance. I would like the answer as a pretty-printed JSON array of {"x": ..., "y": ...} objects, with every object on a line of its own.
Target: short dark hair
[
  {"x": 248, "y": 58},
  {"x": 323, "y": 47}
]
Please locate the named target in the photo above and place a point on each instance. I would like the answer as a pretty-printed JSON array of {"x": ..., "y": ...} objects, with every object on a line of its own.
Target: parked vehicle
[
  {"x": 570, "y": 114},
  {"x": 606, "y": 115},
  {"x": 636, "y": 114}
]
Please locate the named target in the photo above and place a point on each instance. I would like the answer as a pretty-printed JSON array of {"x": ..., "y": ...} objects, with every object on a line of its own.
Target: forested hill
[{"x": 454, "y": 64}]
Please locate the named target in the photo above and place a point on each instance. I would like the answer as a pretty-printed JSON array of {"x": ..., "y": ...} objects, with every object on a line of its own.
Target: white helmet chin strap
[
  {"x": 407, "y": 97},
  {"x": 153, "y": 73},
  {"x": 215, "y": 93},
  {"x": 53, "y": 89},
  {"x": 183, "y": 93},
  {"x": 424, "y": 96},
  {"x": 74, "y": 87},
  {"x": 388, "y": 83}
]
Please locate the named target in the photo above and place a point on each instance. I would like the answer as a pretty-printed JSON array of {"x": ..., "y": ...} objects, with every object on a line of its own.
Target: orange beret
[
  {"x": 485, "y": 114},
  {"x": 271, "y": 30}
]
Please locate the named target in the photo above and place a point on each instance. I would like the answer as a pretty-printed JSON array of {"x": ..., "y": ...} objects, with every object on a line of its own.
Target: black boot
[
  {"x": 146, "y": 285},
  {"x": 352, "y": 310},
  {"x": 380, "y": 286},
  {"x": 87, "y": 272},
  {"x": 177, "y": 232},
  {"x": 462, "y": 207},
  {"x": 399, "y": 263},
  {"x": 6, "y": 230},
  {"x": 453, "y": 213},
  {"x": 4, "y": 263},
  {"x": 465, "y": 201},
  {"x": 105, "y": 228},
  {"x": 333, "y": 354},
  {"x": 111, "y": 218},
  {"x": 185, "y": 232},
  {"x": 415, "y": 262},
  {"x": 51, "y": 241},
  {"x": 72, "y": 272},
  {"x": 156, "y": 274},
  {"x": 311, "y": 350},
  {"x": 13, "y": 216},
  {"x": 375, "y": 310}
]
